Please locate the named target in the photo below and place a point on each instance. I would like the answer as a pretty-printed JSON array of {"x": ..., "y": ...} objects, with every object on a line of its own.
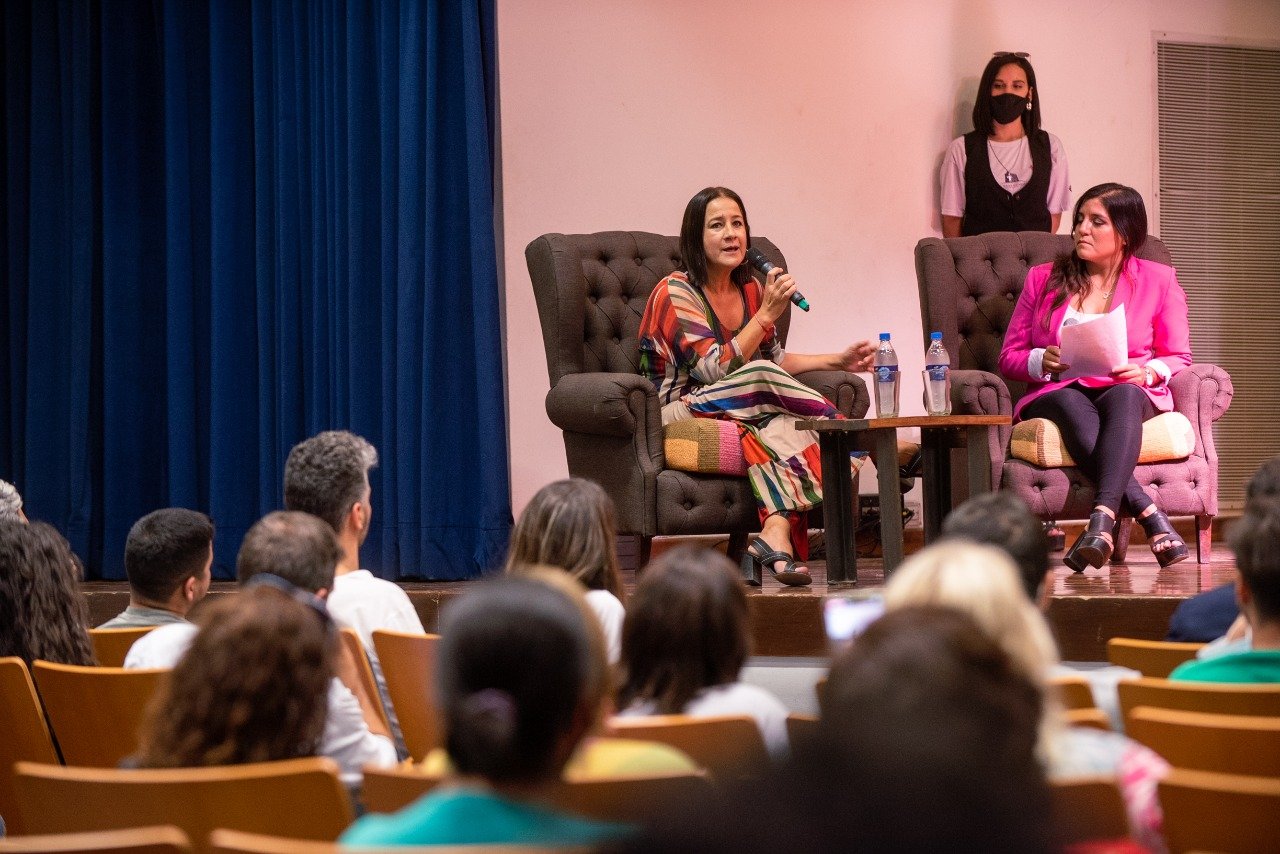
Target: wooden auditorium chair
[
  {"x": 1228, "y": 744},
  {"x": 1150, "y": 658},
  {"x": 238, "y": 842},
  {"x": 624, "y": 798},
  {"x": 728, "y": 746},
  {"x": 1225, "y": 813},
  {"x": 1073, "y": 692},
  {"x": 591, "y": 291},
  {"x": 968, "y": 289},
  {"x": 110, "y": 646},
  {"x": 351, "y": 639},
  {"x": 299, "y": 798},
  {"x": 96, "y": 713},
  {"x": 408, "y": 664},
  {"x": 1088, "y": 809},
  {"x": 1261, "y": 700},
  {"x": 164, "y": 839},
  {"x": 801, "y": 727},
  {"x": 26, "y": 735},
  {"x": 1095, "y": 718}
]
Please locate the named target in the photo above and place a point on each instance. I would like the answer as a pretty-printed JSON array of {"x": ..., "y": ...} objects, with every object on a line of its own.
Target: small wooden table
[{"x": 938, "y": 435}]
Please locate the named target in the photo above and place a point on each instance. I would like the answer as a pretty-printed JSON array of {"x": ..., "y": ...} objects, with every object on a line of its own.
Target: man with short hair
[
  {"x": 1003, "y": 520},
  {"x": 303, "y": 551},
  {"x": 1255, "y": 539},
  {"x": 168, "y": 557},
  {"x": 328, "y": 476}
]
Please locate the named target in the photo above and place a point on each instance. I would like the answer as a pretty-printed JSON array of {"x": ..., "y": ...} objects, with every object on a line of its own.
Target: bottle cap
[
  {"x": 884, "y": 336},
  {"x": 935, "y": 336}
]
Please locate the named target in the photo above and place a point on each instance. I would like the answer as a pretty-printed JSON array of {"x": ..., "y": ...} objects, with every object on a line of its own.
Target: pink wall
[{"x": 828, "y": 116}]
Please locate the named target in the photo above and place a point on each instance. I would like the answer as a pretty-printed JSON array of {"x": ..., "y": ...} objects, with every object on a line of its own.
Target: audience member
[
  {"x": 518, "y": 690},
  {"x": 982, "y": 582},
  {"x": 254, "y": 687},
  {"x": 1214, "y": 616},
  {"x": 1003, "y": 520},
  {"x": 10, "y": 502},
  {"x": 569, "y": 524},
  {"x": 328, "y": 476},
  {"x": 1256, "y": 542},
  {"x": 685, "y": 640},
  {"x": 168, "y": 558},
  {"x": 42, "y": 614},
  {"x": 926, "y": 743},
  {"x": 302, "y": 550}
]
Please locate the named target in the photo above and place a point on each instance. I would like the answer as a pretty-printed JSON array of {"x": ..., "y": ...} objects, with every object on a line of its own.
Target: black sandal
[
  {"x": 759, "y": 555},
  {"x": 1094, "y": 545},
  {"x": 1155, "y": 524}
]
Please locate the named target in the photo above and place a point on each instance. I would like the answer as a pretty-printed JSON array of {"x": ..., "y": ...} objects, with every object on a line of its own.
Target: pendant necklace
[{"x": 1009, "y": 177}]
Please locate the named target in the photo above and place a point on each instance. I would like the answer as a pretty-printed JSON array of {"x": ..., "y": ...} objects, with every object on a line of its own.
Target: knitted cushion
[
  {"x": 1168, "y": 436},
  {"x": 704, "y": 445}
]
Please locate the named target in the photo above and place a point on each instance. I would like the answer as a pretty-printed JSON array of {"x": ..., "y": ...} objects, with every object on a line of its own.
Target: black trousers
[{"x": 1102, "y": 429}]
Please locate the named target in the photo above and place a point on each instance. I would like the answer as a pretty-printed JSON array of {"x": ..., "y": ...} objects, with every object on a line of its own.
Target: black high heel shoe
[
  {"x": 1175, "y": 550},
  {"x": 759, "y": 555},
  {"x": 1094, "y": 545}
]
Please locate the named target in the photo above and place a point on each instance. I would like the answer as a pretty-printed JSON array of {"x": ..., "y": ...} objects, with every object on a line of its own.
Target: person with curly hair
[
  {"x": 253, "y": 688},
  {"x": 42, "y": 614}
]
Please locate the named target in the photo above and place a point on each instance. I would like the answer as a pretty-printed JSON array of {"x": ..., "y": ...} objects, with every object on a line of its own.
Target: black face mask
[{"x": 1008, "y": 107}]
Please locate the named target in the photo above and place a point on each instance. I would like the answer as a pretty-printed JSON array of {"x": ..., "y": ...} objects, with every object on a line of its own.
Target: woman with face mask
[{"x": 1007, "y": 174}]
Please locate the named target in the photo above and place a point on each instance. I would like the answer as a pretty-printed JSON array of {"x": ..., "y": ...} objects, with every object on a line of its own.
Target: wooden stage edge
[{"x": 1085, "y": 610}]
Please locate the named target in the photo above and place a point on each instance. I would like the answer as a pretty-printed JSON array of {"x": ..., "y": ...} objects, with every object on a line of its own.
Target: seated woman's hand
[
  {"x": 1130, "y": 374},
  {"x": 856, "y": 357},
  {"x": 778, "y": 288},
  {"x": 1052, "y": 362}
]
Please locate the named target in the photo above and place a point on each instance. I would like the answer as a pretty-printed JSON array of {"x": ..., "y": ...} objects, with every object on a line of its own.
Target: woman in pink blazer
[{"x": 1101, "y": 417}]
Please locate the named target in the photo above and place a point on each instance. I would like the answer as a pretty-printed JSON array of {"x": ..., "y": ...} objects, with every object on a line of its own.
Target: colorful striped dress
[{"x": 693, "y": 362}]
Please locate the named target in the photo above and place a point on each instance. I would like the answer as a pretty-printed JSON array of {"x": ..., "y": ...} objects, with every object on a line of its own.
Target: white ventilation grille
[{"x": 1219, "y": 184}]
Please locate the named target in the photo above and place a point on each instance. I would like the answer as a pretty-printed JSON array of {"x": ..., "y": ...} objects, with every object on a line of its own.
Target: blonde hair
[{"x": 982, "y": 582}]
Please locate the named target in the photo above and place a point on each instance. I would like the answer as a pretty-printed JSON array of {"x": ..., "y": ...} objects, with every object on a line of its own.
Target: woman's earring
[{"x": 1028, "y": 103}]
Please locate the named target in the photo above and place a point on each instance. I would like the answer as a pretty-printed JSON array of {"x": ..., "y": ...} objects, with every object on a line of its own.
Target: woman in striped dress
[{"x": 707, "y": 342}]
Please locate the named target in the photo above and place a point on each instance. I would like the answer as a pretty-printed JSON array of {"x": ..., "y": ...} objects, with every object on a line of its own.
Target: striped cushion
[
  {"x": 704, "y": 445},
  {"x": 1168, "y": 436}
]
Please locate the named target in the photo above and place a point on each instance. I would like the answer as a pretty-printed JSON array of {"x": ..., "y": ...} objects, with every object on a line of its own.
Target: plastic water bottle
[
  {"x": 887, "y": 378},
  {"x": 937, "y": 382}
]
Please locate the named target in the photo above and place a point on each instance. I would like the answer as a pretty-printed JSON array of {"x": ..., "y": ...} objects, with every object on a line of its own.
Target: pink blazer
[{"x": 1155, "y": 313}]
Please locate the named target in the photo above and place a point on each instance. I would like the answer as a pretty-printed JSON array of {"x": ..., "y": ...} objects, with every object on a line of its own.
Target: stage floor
[{"x": 1085, "y": 610}]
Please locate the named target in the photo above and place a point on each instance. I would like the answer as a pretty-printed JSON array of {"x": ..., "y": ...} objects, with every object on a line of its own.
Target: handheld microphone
[{"x": 756, "y": 259}]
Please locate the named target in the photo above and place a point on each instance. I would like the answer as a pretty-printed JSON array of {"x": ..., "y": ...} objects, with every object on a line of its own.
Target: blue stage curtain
[{"x": 228, "y": 225}]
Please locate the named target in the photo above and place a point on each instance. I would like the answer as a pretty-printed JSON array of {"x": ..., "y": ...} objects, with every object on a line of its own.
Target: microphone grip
[{"x": 757, "y": 260}]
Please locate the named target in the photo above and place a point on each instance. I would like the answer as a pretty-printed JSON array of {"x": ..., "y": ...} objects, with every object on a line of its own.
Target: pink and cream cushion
[
  {"x": 704, "y": 446},
  {"x": 1168, "y": 436}
]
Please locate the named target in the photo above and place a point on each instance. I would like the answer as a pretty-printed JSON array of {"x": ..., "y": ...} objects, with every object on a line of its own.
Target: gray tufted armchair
[
  {"x": 591, "y": 291},
  {"x": 968, "y": 288}
]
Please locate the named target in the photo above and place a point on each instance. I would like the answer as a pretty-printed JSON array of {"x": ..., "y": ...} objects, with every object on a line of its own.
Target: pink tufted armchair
[
  {"x": 591, "y": 291},
  {"x": 968, "y": 288}
]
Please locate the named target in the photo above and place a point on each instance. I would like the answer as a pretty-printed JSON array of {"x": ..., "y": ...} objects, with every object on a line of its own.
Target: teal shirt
[
  {"x": 469, "y": 816},
  {"x": 1257, "y": 666}
]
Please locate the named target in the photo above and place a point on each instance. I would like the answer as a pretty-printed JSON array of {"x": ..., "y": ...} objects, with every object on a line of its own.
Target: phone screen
[{"x": 846, "y": 617}]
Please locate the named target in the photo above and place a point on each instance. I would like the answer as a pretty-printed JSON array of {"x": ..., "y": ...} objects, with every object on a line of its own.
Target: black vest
[{"x": 989, "y": 206}]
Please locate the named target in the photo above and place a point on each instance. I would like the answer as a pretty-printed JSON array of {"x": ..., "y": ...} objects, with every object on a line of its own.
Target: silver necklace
[{"x": 1009, "y": 177}]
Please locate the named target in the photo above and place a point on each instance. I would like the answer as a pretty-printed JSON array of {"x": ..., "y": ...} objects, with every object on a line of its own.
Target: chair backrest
[
  {"x": 1095, "y": 718},
  {"x": 800, "y": 727},
  {"x": 1150, "y": 658},
  {"x": 164, "y": 839},
  {"x": 409, "y": 667},
  {"x": 26, "y": 735},
  {"x": 1228, "y": 744},
  {"x": 591, "y": 291},
  {"x": 1073, "y": 691},
  {"x": 351, "y": 638},
  {"x": 300, "y": 798},
  {"x": 1262, "y": 700},
  {"x": 625, "y": 799},
  {"x": 110, "y": 646},
  {"x": 1227, "y": 813},
  {"x": 96, "y": 712},
  {"x": 1088, "y": 808},
  {"x": 969, "y": 286},
  {"x": 726, "y": 745}
]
